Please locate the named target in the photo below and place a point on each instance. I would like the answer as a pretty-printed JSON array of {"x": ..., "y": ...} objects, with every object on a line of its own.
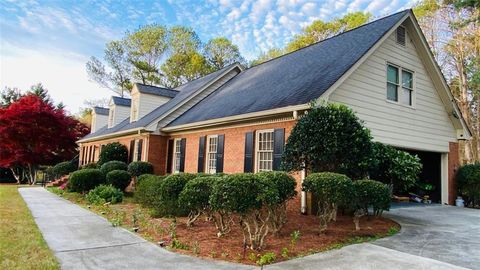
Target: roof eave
[{"x": 112, "y": 135}]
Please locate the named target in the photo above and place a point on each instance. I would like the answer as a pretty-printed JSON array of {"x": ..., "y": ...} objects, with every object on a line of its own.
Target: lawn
[{"x": 21, "y": 243}]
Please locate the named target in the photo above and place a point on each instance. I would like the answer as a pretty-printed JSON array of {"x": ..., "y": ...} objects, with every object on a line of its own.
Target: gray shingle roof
[
  {"x": 293, "y": 79},
  {"x": 101, "y": 110},
  {"x": 121, "y": 101},
  {"x": 154, "y": 90}
]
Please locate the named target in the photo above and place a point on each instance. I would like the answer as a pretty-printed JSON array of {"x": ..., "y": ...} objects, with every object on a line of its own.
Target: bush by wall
[
  {"x": 138, "y": 168},
  {"x": 371, "y": 193},
  {"x": 85, "y": 180},
  {"x": 167, "y": 203},
  {"x": 104, "y": 193},
  {"x": 119, "y": 179},
  {"x": 113, "y": 151},
  {"x": 147, "y": 190},
  {"x": 468, "y": 179},
  {"x": 63, "y": 168},
  {"x": 113, "y": 165}
]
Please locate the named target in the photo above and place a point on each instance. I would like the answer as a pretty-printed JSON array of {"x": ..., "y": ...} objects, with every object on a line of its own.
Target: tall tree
[
  {"x": 270, "y": 54},
  {"x": 8, "y": 96},
  {"x": 27, "y": 127},
  {"x": 221, "y": 52}
]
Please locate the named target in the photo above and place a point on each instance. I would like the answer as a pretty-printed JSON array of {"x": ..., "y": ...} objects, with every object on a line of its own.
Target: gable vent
[{"x": 401, "y": 35}]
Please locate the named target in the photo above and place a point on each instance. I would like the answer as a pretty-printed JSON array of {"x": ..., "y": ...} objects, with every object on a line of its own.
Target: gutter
[{"x": 111, "y": 135}]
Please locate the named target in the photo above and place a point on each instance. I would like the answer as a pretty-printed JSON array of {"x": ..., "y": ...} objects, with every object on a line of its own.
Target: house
[{"x": 237, "y": 120}]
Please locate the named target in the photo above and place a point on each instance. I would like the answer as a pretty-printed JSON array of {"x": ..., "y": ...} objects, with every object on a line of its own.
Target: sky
[{"x": 49, "y": 42}]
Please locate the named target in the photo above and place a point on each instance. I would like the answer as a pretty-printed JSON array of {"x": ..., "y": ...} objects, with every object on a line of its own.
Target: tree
[
  {"x": 9, "y": 96},
  {"x": 270, "y": 54},
  {"x": 27, "y": 127},
  {"x": 220, "y": 52},
  {"x": 329, "y": 138}
]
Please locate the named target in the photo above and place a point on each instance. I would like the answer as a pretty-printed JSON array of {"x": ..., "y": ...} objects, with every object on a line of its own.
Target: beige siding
[
  {"x": 98, "y": 121},
  {"x": 425, "y": 126},
  {"x": 149, "y": 103},
  {"x": 120, "y": 113}
]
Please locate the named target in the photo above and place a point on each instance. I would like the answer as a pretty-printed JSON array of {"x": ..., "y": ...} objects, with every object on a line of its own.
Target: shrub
[
  {"x": 138, "y": 168},
  {"x": 167, "y": 203},
  {"x": 113, "y": 165},
  {"x": 113, "y": 151},
  {"x": 195, "y": 197},
  {"x": 104, "y": 193},
  {"x": 285, "y": 185},
  {"x": 63, "y": 168},
  {"x": 92, "y": 165},
  {"x": 332, "y": 190},
  {"x": 85, "y": 180},
  {"x": 394, "y": 167},
  {"x": 148, "y": 189},
  {"x": 371, "y": 193},
  {"x": 329, "y": 138},
  {"x": 119, "y": 179},
  {"x": 468, "y": 179}
]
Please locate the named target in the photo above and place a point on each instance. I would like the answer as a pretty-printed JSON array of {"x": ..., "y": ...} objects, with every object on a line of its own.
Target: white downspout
[{"x": 303, "y": 199}]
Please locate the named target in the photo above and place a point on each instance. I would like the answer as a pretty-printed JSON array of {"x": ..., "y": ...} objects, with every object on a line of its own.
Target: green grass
[{"x": 21, "y": 243}]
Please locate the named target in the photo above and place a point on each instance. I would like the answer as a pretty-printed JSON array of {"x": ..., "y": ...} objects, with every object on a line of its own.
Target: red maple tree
[{"x": 33, "y": 132}]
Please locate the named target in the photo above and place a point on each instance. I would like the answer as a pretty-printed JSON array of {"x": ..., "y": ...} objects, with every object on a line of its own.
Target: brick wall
[
  {"x": 157, "y": 153},
  {"x": 453, "y": 165}
]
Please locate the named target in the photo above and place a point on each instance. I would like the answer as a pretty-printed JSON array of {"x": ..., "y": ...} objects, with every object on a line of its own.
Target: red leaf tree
[{"x": 33, "y": 132}]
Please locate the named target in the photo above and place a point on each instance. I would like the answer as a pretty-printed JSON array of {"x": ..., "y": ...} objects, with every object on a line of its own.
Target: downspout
[{"x": 303, "y": 196}]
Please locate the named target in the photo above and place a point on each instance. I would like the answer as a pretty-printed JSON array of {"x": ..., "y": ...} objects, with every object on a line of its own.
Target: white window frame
[
  {"x": 111, "y": 117},
  {"x": 258, "y": 161},
  {"x": 400, "y": 86},
  {"x": 135, "y": 150},
  {"x": 211, "y": 163},
  {"x": 176, "y": 155}
]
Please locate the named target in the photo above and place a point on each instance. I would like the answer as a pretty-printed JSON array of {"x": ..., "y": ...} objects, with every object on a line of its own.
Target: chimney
[
  {"x": 99, "y": 118},
  {"x": 119, "y": 111},
  {"x": 146, "y": 98}
]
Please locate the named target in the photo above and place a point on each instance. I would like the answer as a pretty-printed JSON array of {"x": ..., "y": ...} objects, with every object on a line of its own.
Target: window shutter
[
  {"x": 220, "y": 147},
  {"x": 248, "y": 160},
  {"x": 201, "y": 154},
  {"x": 131, "y": 151},
  {"x": 169, "y": 156},
  {"x": 183, "y": 143},
  {"x": 278, "y": 145},
  {"x": 401, "y": 35},
  {"x": 139, "y": 150}
]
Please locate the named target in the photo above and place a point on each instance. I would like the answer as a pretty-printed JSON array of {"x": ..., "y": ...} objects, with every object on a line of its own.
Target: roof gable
[
  {"x": 101, "y": 110},
  {"x": 119, "y": 101},
  {"x": 154, "y": 90}
]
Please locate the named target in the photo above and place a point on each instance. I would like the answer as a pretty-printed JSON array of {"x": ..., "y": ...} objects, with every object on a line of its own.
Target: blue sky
[{"x": 50, "y": 41}]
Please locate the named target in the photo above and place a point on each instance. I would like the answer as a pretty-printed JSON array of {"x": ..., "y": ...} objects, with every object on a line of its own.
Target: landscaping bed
[{"x": 299, "y": 237}]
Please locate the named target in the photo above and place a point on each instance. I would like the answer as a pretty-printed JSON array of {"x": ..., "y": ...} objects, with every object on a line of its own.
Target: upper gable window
[
  {"x": 395, "y": 75},
  {"x": 401, "y": 35}
]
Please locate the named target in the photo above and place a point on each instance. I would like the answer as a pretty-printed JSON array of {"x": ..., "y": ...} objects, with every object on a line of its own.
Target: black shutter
[
  {"x": 248, "y": 161},
  {"x": 169, "y": 156},
  {"x": 201, "y": 154},
  {"x": 220, "y": 144},
  {"x": 131, "y": 151},
  {"x": 278, "y": 145},
  {"x": 183, "y": 144},
  {"x": 139, "y": 150}
]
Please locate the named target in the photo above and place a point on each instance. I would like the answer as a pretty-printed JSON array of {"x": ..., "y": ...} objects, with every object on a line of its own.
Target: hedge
[
  {"x": 63, "y": 168},
  {"x": 119, "y": 179},
  {"x": 113, "y": 151},
  {"x": 371, "y": 193},
  {"x": 147, "y": 190},
  {"x": 167, "y": 203},
  {"x": 113, "y": 165},
  {"x": 103, "y": 194},
  {"x": 138, "y": 168},
  {"x": 85, "y": 180}
]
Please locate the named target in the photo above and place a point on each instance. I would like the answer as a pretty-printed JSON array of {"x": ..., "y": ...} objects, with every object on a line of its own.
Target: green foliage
[
  {"x": 284, "y": 183},
  {"x": 85, "y": 180},
  {"x": 113, "y": 151},
  {"x": 113, "y": 165},
  {"x": 167, "y": 202},
  {"x": 196, "y": 193},
  {"x": 92, "y": 165},
  {"x": 329, "y": 138},
  {"x": 104, "y": 193},
  {"x": 395, "y": 167},
  {"x": 119, "y": 179},
  {"x": 294, "y": 237},
  {"x": 220, "y": 52},
  {"x": 370, "y": 193},
  {"x": 63, "y": 168},
  {"x": 468, "y": 179},
  {"x": 147, "y": 190},
  {"x": 330, "y": 188},
  {"x": 138, "y": 168},
  {"x": 267, "y": 258}
]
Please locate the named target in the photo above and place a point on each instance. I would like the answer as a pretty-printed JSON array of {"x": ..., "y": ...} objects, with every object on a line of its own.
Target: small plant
[
  {"x": 285, "y": 253},
  {"x": 118, "y": 219},
  {"x": 294, "y": 237},
  {"x": 266, "y": 258},
  {"x": 392, "y": 230},
  {"x": 172, "y": 229},
  {"x": 213, "y": 254},
  {"x": 104, "y": 194},
  {"x": 196, "y": 248},
  {"x": 252, "y": 257},
  {"x": 176, "y": 244},
  {"x": 224, "y": 254}
]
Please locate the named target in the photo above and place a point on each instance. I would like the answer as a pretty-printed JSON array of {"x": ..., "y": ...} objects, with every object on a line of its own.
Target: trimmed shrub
[
  {"x": 138, "y": 168},
  {"x": 195, "y": 197},
  {"x": 92, "y": 165},
  {"x": 119, "y": 179},
  {"x": 468, "y": 179},
  {"x": 113, "y": 165},
  {"x": 113, "y": 151},
  {"x": 85, "y": 180},
  {"x": 147, "y": 190},
  {"x": 167, "y": 203},
  {"x": 103, "y": 194},
  {"x": 332, "y": 190},
  {"x": 63, "y": 168},
  {"x": 371, "y": 193}
]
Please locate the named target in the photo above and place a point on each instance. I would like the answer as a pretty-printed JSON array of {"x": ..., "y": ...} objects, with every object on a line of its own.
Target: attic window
[{"x": 401, "y": 35}]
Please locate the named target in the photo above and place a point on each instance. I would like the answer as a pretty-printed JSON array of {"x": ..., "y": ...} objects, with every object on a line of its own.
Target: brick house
[{"x": 237, "y": 120}]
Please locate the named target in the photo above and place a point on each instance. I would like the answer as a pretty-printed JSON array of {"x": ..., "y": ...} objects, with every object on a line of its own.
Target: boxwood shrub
[
  {"x": 113, "y": 151},
  {"x": 119, "y": 179},
  {"x": 104, "y": 193},
  {"x": 371, "y": 193},
  {"x": 468, "y": 178},
  {"x": 85, "y": 180},
  {"x": 147, "y": 190},
  {"x": 113, "y": 165},
  {"x": 138, "y": 168},
  {"x": 63, "y": 168},
  {"x": 167, "y": 203}
]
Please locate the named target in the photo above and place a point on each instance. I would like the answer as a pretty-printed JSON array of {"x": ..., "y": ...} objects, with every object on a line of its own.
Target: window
[
  {"x": 400, "y": 35},
  {"x": 212, "y": 147},
  {"x": 176, "y": 155},
  {"x": 395, "y": 75},
  {"x": 264, "y": 150}
]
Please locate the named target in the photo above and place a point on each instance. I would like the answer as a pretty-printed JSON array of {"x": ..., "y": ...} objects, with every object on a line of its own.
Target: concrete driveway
[{"x": 434, "y": 237}]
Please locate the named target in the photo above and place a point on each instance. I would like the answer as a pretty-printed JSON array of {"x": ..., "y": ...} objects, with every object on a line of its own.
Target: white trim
[
  {"x": 400, "y": 87},
  {"x": 444, "y": 178},
  {"x": 257, "y": 147},
  {"x": 207, "y": 152},
  {"x": 174, "y": 159},
  {"x": 112, "y": 135}
]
